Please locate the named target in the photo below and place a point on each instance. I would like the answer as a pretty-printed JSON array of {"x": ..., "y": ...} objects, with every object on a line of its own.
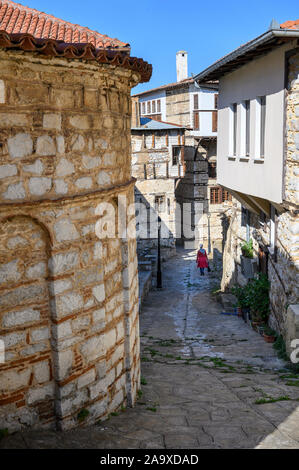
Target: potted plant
[
  {"x": 259, "y": 300},
  {"x": 242, "y": 300},
  {"x": 269, "y": 335},
  {"x": 247, "y": 249}
]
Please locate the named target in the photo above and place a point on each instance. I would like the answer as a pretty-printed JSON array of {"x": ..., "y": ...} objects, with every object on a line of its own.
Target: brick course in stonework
[{"x": 69, "y": 301}]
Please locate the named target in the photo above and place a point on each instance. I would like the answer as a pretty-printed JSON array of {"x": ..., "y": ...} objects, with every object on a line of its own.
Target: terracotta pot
[{"x": 269, "y": 339}]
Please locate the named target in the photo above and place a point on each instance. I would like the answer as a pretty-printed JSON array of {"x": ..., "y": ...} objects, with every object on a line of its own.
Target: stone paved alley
[{"x": 202, "y": 374}]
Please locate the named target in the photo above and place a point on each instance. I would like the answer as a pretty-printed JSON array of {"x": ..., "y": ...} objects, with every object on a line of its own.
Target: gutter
[{"x": 251, "y": 45}]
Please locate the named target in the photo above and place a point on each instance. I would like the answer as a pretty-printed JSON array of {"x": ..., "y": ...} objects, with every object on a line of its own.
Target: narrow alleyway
[{"x": 208, "y": 380}]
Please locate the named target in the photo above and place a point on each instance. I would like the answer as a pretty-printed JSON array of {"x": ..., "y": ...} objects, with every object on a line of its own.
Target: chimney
[{"x": 181, "y": 65}]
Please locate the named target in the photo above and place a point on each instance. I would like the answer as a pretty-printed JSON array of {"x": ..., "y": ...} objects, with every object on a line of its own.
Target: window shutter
[
  {"x": 214, "y": 121},
  {"x": 216, "y": 101},
  {"x": 158, "y": 106},
  {"x": 195, "y": 101},
  {"x": 196, "y": 121}
]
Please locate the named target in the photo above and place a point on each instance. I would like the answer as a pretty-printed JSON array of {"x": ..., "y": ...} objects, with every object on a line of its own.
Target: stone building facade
[
  {"x": 194, "y": 107},
  {"x": 158, "y": 166},
  {"x": 265, "y": 181},
  {"x": 68, "y": 299}
]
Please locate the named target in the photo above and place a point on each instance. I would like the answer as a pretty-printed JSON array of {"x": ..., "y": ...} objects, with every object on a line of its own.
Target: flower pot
[{"x": 269, "y": 339}]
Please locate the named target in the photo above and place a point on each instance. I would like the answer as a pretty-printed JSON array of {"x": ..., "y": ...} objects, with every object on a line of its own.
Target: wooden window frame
[
  {"x": 176, "y": 159},
  {"x": 214, "y": 121},
  {"x": 247, "y": 128},
  {"x": 234, "y": 128},
  {"x": 216, "y": 101},
  {"x": 159, "y": 206},
  {"x": 158, "y": 106},
  {"x": 196, "y": 123},
  {"x": 222, "y": 195},
  {"x": 195, "y": 101}
]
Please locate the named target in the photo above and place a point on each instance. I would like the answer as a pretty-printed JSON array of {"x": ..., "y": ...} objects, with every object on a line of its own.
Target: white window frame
[
  {"x": 272, "y": 230},
  {"x": 242, "y": 135},
  {"x": 258, "y": 128}
]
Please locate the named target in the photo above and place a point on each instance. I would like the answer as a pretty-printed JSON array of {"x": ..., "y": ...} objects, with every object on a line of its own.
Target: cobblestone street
[{"x": 208, "y": 380}]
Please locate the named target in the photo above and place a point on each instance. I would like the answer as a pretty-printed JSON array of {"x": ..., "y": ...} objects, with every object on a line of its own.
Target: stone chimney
[{"x": 181, "y": 65}]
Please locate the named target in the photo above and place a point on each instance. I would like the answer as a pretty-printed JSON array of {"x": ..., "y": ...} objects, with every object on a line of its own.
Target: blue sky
[{"x": 157, "y": 29}]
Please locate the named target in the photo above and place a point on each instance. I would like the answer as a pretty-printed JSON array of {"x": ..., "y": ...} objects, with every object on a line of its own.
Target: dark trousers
[{"x": 202, "y": 271}]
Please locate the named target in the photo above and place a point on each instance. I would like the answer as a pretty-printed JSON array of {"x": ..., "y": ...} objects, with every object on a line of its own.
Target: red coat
[{"x": 202, "y": 259}]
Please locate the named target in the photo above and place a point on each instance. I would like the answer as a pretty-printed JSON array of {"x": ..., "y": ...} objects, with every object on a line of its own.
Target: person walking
[{"x": 202, "y": 260}]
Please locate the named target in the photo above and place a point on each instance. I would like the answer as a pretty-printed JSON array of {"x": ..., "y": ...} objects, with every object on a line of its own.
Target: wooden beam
[
  {"x": 262, "y": 204},
  {"x": 245, "y": 201}
]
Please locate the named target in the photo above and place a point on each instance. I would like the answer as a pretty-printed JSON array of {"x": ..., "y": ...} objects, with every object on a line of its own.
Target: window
[
  {"x": 195, "y": 101},
  {"x": 212, "y": 169},
  {"x": 196, "y": 120},
  {"x": 176, "y": 154},
  {"x": 158, "y": 106},
  {"x": 153, "y": 106},
  {"x": 234, "y": 136},
  {"x": 247, "y": 128},
  {"x": 219, "y": 195},
  {"x": 260, "y": 127},
  {"x": 263, "y": 122},
  {"x": 226, "y": 196},
  {"x": 159, "y": 203},
  {"x": 214, "y": 121},
  {"x": 216, "y": 101},
  {"x": 166, "y": 140},
  {"x": 143, "y": 108},
  {"x": 148, "y": 107},
  {"x": 215, "y": 195}
]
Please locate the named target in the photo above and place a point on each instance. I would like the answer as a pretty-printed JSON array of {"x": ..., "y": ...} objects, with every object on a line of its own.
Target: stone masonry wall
[{"x": 69, "y": 301}]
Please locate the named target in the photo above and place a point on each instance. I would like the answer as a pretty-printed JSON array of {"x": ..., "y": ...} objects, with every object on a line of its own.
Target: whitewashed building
[{"x": 257, "y": 161}]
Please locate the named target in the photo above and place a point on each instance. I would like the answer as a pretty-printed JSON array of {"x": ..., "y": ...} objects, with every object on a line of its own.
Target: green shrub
[
  {"x": 247, "y": 249},
  {"x": 258, "y": 296},
  {"x": 269, "y": 331}
]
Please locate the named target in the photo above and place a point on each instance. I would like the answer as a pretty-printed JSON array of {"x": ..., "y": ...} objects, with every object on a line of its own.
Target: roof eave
[{"x": 245, "y": 53}]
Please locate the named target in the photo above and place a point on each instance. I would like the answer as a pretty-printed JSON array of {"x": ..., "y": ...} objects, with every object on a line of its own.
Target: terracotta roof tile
[
  {"x": 290, "y": 24},
  {"x": 117, "y": 57},
  {"x": 17, "y": 18}
]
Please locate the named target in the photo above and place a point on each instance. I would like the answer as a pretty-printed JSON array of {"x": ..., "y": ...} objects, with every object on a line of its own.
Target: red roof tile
[
  {"x": 290, "y": 24},
  {"x": 16, "y": 18}
]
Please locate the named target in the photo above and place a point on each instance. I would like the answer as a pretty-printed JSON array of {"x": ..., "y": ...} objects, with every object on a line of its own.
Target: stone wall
[
  {"x": 177, "y": 106},
  {"x": 209, "y": 222},
  {"x": 69, "y": 301}
]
